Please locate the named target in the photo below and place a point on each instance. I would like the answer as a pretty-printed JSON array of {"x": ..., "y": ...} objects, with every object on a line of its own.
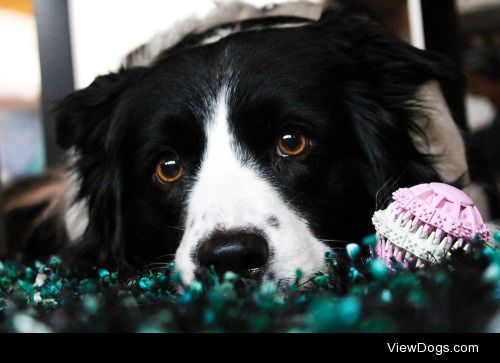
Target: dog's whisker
[
  {"x": 334, "y": 240},
  {"x": 394, "y": 182},
  {"x": 379, "y": 190},
  {"x": 157, "y": 264},
  {"x": 170, "y": 255},
  {"x": 177, "y": 227}
]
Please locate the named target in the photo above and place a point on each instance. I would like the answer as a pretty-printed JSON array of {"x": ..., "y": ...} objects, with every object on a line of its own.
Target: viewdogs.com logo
[{"x": 437, "y": 349}]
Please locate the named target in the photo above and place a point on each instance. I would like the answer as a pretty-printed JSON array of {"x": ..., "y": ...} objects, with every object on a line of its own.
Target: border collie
[{"x": 254, "y": 146}]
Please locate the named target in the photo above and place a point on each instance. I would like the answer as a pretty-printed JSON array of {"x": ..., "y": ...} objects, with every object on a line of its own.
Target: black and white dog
[{"x": 254, "y": 146}]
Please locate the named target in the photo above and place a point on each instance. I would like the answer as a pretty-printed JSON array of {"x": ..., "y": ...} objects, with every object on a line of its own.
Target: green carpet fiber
[{"x": 357, "y": 294}]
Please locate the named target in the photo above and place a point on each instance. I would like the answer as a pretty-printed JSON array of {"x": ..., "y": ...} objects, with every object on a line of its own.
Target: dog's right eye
[
  {"x": 169, "y": 169},
  {"x": 292, "y": 144}
]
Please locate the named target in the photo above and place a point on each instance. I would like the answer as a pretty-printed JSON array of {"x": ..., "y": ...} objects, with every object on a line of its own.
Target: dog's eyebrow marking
[{"x": 273, "y": 221}]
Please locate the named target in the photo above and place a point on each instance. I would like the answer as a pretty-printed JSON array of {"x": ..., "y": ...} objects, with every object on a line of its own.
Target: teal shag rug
[{"x": 357, "y": 294}]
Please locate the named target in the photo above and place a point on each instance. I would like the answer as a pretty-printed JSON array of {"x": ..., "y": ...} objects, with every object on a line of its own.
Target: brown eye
[
  {"x": 169, "y": 169},
  {"x": 292, "y": 144}
]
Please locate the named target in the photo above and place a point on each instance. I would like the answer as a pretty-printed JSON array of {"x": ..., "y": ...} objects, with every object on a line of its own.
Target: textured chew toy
[{"x": 423, "y": 223}]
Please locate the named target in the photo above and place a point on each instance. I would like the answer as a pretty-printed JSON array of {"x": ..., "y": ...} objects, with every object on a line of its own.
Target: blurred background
[{"x": 50, "y": 47}]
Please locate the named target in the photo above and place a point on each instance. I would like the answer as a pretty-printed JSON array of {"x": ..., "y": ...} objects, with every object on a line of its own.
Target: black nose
[{"x": 244, "y": 253}]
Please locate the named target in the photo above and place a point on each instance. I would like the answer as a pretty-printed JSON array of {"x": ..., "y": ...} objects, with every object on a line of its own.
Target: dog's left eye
[
  {"x": 169, "y": 169},
  {"x": 292, "y": 144}
]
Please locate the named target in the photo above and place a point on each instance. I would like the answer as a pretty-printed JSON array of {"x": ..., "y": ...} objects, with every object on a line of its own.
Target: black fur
[
  {"x": 33, "y": 209},
  {"x": 343, "y": 80}
]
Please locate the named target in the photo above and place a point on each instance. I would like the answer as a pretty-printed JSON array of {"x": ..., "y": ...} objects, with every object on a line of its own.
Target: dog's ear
[
  {"x": 83, "y": 117},
  {"x": 399, "y": 113},
  {"x": 440, "y": 136},
  {"x": 85, "y": 124}
]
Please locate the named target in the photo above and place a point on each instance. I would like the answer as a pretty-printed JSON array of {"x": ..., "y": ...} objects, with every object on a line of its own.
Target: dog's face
[{"x": 255, "y": 153}]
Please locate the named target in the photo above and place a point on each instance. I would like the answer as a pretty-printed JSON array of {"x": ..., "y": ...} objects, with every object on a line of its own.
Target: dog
[{"x": 254, "y": 146}]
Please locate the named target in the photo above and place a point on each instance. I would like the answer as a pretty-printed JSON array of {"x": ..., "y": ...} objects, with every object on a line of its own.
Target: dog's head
[{"x": 253, "y": 153}]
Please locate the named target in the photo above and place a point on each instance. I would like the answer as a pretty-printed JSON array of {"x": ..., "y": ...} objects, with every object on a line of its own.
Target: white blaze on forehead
[{"x": 231, "y": 194}]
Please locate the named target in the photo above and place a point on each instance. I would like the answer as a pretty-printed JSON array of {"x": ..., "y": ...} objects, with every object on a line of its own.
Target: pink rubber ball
[{"x": 425, "y": 222}]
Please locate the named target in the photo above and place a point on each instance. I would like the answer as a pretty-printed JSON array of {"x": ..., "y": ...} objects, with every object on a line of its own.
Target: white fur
[
  {"x": 232, "y": 194},
  {"x": 76, "y": 215}
]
